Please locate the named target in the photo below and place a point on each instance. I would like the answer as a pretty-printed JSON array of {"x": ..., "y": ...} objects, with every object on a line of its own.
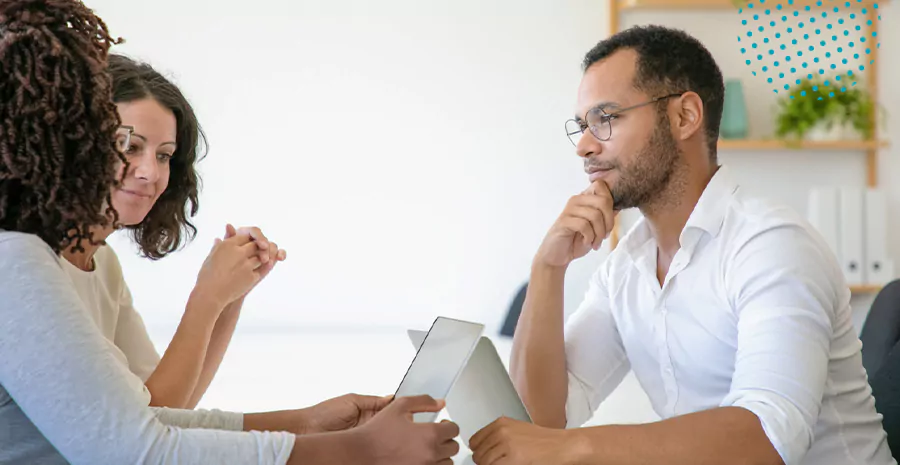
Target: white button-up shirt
[{"x": 754, "y": 312}]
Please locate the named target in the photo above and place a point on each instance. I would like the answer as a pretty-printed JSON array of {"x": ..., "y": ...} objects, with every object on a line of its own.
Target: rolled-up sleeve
[
  {"x": 595, "y": 356},
  {"x": 784, "y": 294}
]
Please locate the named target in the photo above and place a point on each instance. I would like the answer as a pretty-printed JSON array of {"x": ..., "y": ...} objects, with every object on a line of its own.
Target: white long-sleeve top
[{"x": 65, "y": 397}]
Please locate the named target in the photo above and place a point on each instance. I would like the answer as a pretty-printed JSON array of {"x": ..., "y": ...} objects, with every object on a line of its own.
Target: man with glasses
[{"x": 732, "y": 313}]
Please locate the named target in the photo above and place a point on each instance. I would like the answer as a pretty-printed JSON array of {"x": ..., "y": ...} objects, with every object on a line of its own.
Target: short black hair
[{"x": 670, "y": 61}]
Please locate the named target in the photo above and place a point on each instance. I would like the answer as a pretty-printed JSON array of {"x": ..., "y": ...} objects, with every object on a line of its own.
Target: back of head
[
  {"x": 670, "y": 61},
  {"x": 167, "y": 226},
  {"x": 57, "y": 121}
]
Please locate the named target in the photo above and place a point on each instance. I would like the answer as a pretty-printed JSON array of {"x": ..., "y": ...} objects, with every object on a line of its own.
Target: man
[{"x": 732, "y": 313}]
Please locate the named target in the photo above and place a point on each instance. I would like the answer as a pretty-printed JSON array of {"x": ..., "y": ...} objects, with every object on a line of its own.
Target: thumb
[
  {"x": 419, "y": 404},
  {"x": 229, "y": 231},
  {"x": 372, "y": 403}
]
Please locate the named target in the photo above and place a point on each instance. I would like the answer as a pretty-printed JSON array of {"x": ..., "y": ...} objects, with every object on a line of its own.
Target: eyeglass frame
[
  {"x": 128, "y": 135},
  {"x": 608, "y": 120}
]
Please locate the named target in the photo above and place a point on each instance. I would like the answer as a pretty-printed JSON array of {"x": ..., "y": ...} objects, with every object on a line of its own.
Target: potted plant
[{"x": 815, "y": 111}]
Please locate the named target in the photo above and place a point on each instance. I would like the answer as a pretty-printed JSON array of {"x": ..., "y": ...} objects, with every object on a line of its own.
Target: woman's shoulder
[
  {"x": 19, "y": 244},
  {"x": 108, "y": 265}
]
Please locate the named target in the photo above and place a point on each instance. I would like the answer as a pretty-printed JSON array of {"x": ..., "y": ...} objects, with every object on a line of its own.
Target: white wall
[{"x": 409, "y": 155}]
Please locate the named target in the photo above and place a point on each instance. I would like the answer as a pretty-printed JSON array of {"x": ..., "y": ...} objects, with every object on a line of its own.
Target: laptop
[
  {"x": 442, "y": 353},
  {"x": 483, "y": 391}
]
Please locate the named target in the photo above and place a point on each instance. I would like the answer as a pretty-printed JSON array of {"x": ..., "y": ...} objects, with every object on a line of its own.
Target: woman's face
[{"x": 151, "y": 146}]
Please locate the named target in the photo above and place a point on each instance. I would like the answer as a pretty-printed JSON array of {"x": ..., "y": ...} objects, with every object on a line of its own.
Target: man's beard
[{"x": 649, "y": 173}]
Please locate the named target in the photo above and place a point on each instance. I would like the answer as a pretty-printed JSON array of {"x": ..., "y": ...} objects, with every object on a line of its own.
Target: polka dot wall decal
[{"x": 840, "y": 25}]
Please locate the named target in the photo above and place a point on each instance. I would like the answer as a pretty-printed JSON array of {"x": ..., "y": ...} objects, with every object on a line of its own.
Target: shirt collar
[{"x": 708, "y": 215}]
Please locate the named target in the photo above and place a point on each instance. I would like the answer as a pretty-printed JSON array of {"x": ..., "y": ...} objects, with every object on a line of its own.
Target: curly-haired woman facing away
[{"x": 65, "y": 397}]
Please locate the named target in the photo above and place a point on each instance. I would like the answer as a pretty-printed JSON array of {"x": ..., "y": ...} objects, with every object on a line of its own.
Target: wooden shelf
[
  {"x": 676, "y": 4},
  {"x": 776, "y": 144},
  {"x": 626, "y": 5},
  {"x": 865, "y": 289}
]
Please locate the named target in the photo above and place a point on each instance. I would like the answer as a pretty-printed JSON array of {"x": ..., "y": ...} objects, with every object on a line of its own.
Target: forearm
[
  {"x": 293, "y": 421},
  {"x": 538, "y": 362},
  {"x": 175, "y": 378},
  {"x": 345, "y": 447},
  {"x": 730, "y": 435},
  {"x": 218, "y": 345}
]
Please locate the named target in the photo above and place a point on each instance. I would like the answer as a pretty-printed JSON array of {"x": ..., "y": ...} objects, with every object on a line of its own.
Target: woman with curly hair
[
  {"x": 162, "y": 141},
  {"x": 65, "y": 394}
]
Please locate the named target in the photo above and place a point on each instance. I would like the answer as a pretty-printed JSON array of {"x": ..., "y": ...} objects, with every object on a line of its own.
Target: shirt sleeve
[
  {"x": 784, "y": 290},
  {"x": 132, "y": 338},
  {"x": 595, "y": 356},
  {"x": 60, "y": 371},
  {"x": 208, "y": 419}
]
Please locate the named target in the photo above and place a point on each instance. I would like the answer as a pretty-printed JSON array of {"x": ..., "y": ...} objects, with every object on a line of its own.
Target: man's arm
[
  {"x": 550, "y": 370},
  {"x": 538, "y": 361},
  {"x": 729, "y": 435}
]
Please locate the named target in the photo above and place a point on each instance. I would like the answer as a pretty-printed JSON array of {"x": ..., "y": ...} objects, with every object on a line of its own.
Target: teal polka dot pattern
[{"x": 849, "y": 24}]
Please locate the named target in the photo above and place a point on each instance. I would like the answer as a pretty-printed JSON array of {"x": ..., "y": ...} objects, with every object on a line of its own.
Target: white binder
[
  {"x": 879, "y": 269},
  {"x": 851, "y": 222},
  {"x": 822, "y": 213}
]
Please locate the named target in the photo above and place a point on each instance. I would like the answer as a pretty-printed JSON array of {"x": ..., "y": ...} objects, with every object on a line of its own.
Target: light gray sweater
[{"x": 65, "y": 398}]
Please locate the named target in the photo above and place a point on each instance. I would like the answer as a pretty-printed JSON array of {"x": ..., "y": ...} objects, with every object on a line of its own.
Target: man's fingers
[
  {"x": 489, "y": 450},
  {"x": 479, "y": 437},
  {"x": 604, "y": 203},
  {"x": 596, "y": 218},
  {"x": 598, "y": 187},
  {"x": 493, "y": 456},
  {"x": 581, "y": 226}
]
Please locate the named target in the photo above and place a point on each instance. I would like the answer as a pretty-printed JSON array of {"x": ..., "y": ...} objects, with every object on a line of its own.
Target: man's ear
[{"x": 686, "y": 115}]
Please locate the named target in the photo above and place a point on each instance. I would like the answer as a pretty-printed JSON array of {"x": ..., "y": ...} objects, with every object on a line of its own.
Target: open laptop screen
[{"x": 439, "y": 361}]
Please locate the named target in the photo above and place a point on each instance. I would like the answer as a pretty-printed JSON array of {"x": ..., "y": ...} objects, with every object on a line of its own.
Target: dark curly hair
[
  {"x": 670, "y": 61},
  {"x": 57, "y": 121},
  {"x": 167, "y": 226}
]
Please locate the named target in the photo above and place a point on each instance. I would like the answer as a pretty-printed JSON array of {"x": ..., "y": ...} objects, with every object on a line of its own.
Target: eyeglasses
[
  {"x": 599, "y": 121},
  {"x": 123, "y": 138}
]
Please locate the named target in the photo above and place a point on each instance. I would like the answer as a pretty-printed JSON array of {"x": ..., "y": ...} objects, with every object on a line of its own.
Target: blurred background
[{"x": 410, "y": 156}]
